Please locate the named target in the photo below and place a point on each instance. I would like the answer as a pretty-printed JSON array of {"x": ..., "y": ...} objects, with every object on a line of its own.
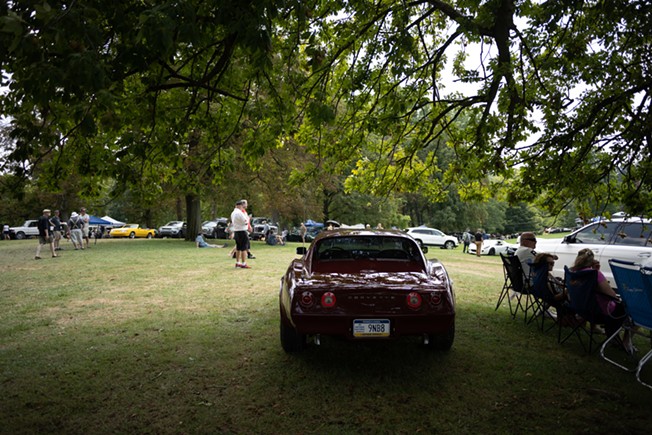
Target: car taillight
[
  {"x": 435, "y": 298},
  {"x": 414, "y": 300},
  {"x": 307, "y": 299},
  {"x": 328, "y": 300}
]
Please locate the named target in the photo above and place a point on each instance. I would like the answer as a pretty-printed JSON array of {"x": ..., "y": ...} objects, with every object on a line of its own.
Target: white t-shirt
[
  {"x": 239, "y": 220},
  {"x": 524, "y": 254}
]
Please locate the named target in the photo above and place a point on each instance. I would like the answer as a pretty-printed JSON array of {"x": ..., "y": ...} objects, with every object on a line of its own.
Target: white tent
[{"x": 114, "y": 222}]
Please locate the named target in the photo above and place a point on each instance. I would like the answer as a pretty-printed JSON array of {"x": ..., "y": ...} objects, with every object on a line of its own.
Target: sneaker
[
  {"x": 245, "y": 266},
  {"x": 37, "y": 258},
  {"x": 597, "y": 329},
  {"x": 251, "y": 256}
]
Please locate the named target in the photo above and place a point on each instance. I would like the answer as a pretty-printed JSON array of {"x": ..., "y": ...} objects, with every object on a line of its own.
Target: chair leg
[
  {"x": 615, "y": 337},
  {"x": 641, "y": 363}
]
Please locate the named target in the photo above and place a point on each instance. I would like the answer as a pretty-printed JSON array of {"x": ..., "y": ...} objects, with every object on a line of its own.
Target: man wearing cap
[
  {"x": 44, "y": 236},
  {"x": 75, "y": 225},
  {"x": 240, "y": 223}
]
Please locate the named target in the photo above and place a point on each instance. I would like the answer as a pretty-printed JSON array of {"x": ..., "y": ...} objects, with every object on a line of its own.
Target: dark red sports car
[{"x": 363, "y": 284}]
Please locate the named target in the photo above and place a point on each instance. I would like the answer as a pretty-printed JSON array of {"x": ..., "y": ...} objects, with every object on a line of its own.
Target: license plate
[{"x": 371, "y": 328}]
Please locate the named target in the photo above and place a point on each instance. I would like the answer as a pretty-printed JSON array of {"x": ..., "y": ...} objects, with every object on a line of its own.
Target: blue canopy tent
[
  {"x": 98, "y": 221},
  {"x": 311, "y": 223}
]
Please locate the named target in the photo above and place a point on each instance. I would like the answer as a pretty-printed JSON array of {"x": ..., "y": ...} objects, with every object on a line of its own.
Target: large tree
[
  {"x": 560, "y": 89},
  {"x": 146, "y": 92}
]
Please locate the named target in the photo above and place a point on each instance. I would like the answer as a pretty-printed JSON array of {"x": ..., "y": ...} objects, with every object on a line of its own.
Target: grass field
[{"x": 155, "y": 336}]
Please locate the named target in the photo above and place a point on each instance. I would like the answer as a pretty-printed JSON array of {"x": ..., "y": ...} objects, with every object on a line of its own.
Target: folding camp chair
[
  {"x": 635, "y": 287},
  {"x": 516, "y": 282},
  {"x": 581, "y": 287},
  {"x": 507, "y": 286},
  {"x": 542, "y": 298}
]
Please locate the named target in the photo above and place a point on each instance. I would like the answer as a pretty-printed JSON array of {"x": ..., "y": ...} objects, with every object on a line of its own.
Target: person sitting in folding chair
[
  {"x": 608, "y": 301},
  {"x": 555, "y": 286}
]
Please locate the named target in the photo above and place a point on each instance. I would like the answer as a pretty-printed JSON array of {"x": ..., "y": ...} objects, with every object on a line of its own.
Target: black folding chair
[
  {"x": 517, "y": 286},
  {"x": 581, "y": 286},
  {"x": 507, "y": 286}
]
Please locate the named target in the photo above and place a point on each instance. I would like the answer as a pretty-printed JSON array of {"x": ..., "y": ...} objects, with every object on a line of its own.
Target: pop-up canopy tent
[
  {"x": 98, "y": 221},
  {"x": 311, "y": 223},
  {"x": 111, "y": 221}
]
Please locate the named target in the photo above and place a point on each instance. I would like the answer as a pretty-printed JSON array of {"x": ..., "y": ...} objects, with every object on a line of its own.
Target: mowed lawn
[{"x": 156, "y": 336}]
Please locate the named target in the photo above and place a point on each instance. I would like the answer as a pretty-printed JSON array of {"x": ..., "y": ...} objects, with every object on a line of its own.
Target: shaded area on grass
[{"x": 177, "y": 341}]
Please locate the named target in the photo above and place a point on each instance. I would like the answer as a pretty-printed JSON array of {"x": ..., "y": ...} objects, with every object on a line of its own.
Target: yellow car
[{"x": 132, "y": 231}]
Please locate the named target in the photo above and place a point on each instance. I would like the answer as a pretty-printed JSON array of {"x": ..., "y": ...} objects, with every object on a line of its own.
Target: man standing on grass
[
  {"x": 44, "y": 236},
  {"x": 240, "y": 222},
  {"x": 478, "y": 242},
  {"x": 56, "y": 230},
  {"x": 86, "y": 219}
]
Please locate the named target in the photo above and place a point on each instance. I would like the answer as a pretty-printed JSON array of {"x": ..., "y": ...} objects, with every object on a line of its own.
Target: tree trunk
[{"x": 193, "y": 212}]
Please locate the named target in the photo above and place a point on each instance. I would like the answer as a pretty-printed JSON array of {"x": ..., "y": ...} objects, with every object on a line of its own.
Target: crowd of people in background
[{"x": 51, "y": 231}]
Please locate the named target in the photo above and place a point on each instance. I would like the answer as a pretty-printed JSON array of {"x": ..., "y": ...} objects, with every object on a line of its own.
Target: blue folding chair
[
  {"x": 635, "y": 288},
  {"x": 543, "y": 299}
]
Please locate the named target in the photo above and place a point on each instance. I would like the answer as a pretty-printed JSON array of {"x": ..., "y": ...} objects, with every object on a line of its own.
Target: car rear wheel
[
  {"x": 492, "y": 251},
  {"x": 149, "y": 235},
  {"x": 20, "y": 235},
  {"x": 443, "y": 341},
  {"x": 132, "y": 235},
  {"x": 449, "y": 245},
  {"x": 291, "y": 340}
]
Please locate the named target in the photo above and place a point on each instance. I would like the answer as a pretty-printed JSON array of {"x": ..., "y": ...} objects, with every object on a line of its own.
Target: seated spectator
[
  {"x": 525, "y": 251},
  {"x": 556, "y": 287},
  {"x": 608, "y": 300},
  {"x": 201, "y": 243}
]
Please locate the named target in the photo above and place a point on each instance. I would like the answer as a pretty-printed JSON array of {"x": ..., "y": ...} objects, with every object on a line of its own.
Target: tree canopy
[{"x": 545, "y": 102}]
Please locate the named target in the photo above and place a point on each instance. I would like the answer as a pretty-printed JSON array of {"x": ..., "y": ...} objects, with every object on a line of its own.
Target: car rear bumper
[{"x": 400, "y": 325}]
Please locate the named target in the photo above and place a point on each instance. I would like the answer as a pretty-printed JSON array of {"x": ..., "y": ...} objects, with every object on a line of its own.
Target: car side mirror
[
  {"x": 569, "y": 239},
  {"x": 301, "y": 250}
]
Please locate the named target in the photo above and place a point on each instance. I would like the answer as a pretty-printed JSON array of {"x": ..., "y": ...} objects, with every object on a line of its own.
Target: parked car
[
  {"x": 132, "y": 231},
  {"x": 173, "y": 229},
  {"x": 365, "y": 284},
  {"x": 215, "y": 229},
  {"x": 432, "y": 237},
  {"x": 258, "y": 227},
  {"x": 28, "y": 229},
  {"x": 493, "y": 247},
  {"x": 622, "y": 239}
]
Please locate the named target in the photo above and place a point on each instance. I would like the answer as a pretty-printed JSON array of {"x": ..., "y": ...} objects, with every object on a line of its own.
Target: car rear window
[{"x": 355, "y": 254}]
